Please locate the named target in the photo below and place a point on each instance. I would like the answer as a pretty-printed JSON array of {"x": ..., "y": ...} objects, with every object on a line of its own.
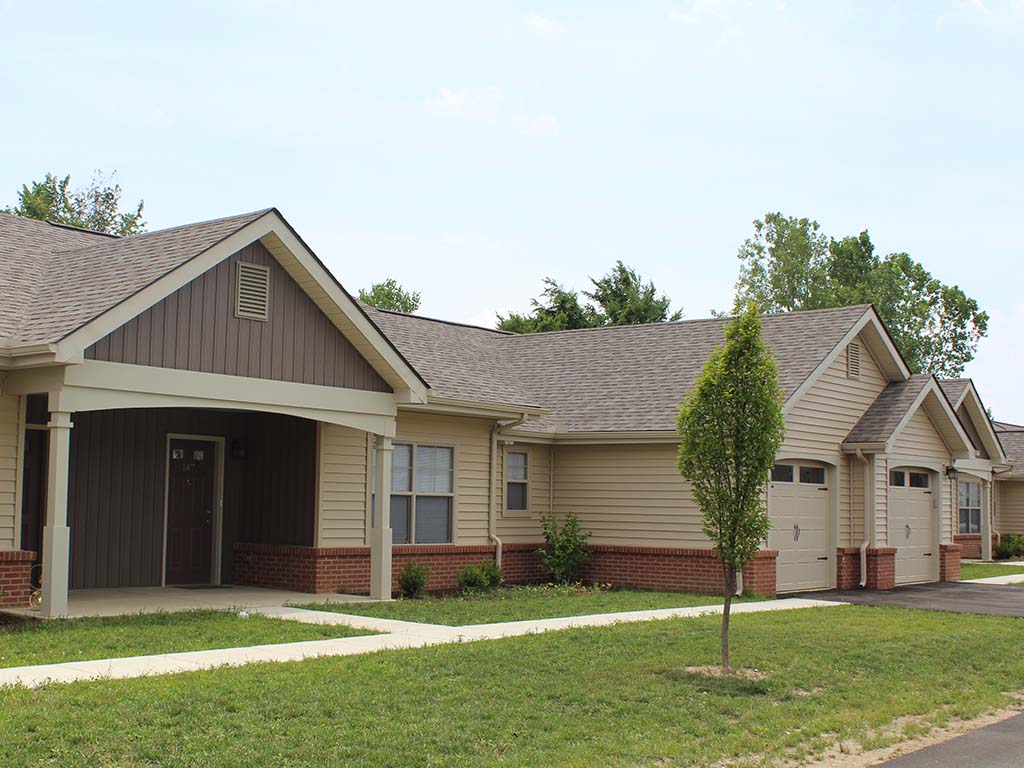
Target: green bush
[
  {"x": 565, "y": 550},
  {"x": 477, "y": 578},
  {"x": 1010, "y": 546},
  {"x": 413, "y": 579}
]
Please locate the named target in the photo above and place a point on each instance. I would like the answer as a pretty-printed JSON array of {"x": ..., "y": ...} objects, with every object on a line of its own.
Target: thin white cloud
[
  {"x": 482, "y": 105},
  {"x": 542, "y": 26},
  {"x": 542, "y": 127},
  {"x": 698, "y": 11}
]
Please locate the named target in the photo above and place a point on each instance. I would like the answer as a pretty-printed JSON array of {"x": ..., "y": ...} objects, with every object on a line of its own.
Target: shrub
[
  {"x": 486, "y": 575},
  {"x": 565, "y": 550},
  {"x": 1010, "y": 546},
  {"x": 413, "y": 579}
]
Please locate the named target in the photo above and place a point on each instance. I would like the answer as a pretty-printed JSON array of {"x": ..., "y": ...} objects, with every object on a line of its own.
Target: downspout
[
  {"x": 492, "y": 522},
  {"x": 869, "y": 517}
]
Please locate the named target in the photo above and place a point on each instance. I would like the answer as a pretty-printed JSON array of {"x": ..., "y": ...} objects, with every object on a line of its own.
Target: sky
[{"x": 468, "y": 150}]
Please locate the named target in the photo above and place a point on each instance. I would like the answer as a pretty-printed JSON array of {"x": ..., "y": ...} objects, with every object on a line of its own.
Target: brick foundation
[
  {"x": 970, "y": 545},
  {"x": 847, "y": 567},
  {"x": 881, "y": 568},
  {"x": 347, "y": 569},
  {"x": 949, "y": 562},
  {"x": 15, "y": 577},
  {"x": 674, "y": 570}
]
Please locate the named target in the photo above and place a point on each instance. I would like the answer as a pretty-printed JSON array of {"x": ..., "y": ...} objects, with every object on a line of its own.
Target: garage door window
[
  {"x": 782, "y": 473},
  {"x": 970, "y": 507},
  {"x": 812, "y": 475},
  {"x": 918, "y": 479},
  {"x": 897, "y": 478}
]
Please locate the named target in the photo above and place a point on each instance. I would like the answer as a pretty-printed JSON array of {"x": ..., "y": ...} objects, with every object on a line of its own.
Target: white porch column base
[
  {"x": 56, "y": 534},
  {"x": 380, "y": 533}
]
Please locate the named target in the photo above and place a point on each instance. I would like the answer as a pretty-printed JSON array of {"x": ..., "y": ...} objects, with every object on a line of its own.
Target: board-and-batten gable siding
[
  {"x": 343, "y": 485},
  {"x": 919, "y": 441},
  {"x": 631, "y": 495},
  {"x": 524, "y": 527},
  {"x": 819, "y": 422},
  {"x": 195, "y": 329},
  {"x": 1010, "y": 504},
  {"x": 10, "y": 408}
]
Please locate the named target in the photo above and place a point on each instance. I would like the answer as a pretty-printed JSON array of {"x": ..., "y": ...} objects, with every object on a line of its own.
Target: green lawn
[
  {"x": 969, "y": 571},
  {"x": 610, "y": 696},
  {"x": 58, "y": 641},
  {"x": 520, "y": 603}
]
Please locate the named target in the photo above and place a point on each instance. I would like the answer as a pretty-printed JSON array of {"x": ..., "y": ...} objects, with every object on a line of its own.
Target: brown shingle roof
[
  {"x": 884, "y": 415},
  {"x": 63, "y": 278},
  {"x": 954, "y": 388},
  {"x": 1012, "y": 438},
  {"x": 624, "y": 378}
]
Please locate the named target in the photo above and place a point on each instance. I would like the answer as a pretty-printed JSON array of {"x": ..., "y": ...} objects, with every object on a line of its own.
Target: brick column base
[
  {"x": 15, "y": 577},
  {"x": 949, "y": 562},
  {"x": 847, "y": 567},
  {"x": 881, "y": 568}
]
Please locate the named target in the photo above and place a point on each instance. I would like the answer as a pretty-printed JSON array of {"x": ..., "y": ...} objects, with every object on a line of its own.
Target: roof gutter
[{"x": 492, "y": 522}]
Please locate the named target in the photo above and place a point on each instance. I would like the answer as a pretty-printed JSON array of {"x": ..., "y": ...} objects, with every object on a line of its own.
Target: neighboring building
[
  {"x": 206, "y": 404},
  {"x": 1009, "y": 486}
]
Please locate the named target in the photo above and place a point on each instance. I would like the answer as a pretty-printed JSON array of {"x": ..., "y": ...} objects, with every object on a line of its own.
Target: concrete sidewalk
[{"x": 397, "y": 634}]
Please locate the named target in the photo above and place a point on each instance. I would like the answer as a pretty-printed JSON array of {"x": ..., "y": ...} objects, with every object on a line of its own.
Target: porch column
[
  {"x": 986, "y": 520},
  {"x": 56, "y": 534},
  {"x": 380, "y": 533}
]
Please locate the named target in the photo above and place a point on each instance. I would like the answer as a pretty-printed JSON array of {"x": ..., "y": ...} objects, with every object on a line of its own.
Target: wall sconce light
[{"x": 951, "y": 472}]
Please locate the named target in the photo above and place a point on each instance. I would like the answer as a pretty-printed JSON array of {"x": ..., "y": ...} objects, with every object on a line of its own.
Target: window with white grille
[
  {"x": 853, "y": 360},
  {"x": 252, "y": 291}
]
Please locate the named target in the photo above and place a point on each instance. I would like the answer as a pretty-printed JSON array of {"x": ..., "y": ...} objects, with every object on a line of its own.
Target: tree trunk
[{"x": 729, "y": 577}]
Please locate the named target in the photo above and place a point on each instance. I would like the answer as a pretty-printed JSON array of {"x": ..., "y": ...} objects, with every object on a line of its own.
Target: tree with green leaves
[
  {"x": 790, "y": 264},
  {"x": 619, "y": 298},
  {"x": 96, "y": 206},
  {"x": 390, "y": 295},
  {"x": 731, "y": 427}
]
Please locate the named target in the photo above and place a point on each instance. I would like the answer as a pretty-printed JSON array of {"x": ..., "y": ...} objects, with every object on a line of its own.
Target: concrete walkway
[
  {"x": 398, "y": 634},
  {"x": 996, "y": 746}
]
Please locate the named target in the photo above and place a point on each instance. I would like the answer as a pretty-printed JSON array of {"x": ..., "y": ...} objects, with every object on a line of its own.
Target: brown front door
[{"x": 191, "y": 506}]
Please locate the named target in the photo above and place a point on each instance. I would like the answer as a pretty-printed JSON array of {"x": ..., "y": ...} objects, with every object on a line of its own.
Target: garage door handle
[
  {"x": 927, "y": 554},
  {"x": 825, "y": 557},
  {"x": 823, "y": 489}
]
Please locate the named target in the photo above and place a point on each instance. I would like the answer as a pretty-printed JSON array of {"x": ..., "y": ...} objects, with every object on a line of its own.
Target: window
[
  {"x": 812, "y": 475},
  {"x": 517, "y": 481},
  {"x": 969, "y": 494},
  {"x": 422, "y": 493},
  {"x": 782, "y": 473},
  {"x": 897, "y": 478},
  {"x": 252, "y": 291},
  {"x": 918, "y": 479},
  {"x": 853, "y": 360}
]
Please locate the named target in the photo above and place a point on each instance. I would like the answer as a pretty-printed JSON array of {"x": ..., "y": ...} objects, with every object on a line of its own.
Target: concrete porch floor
[{"x": 119, "y": 602}]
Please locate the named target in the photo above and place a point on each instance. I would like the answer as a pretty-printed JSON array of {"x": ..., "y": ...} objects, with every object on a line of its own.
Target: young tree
[
  {"x": 790, "y": 264},
  {"x": 390, "y": 295},
  {"x": 731, "y": 427},
  {"x": 619, "y": 298},
  {"x": 95, "y": 207}
]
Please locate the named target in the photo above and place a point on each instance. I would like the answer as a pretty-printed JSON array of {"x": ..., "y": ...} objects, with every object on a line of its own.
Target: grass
[
  {"x": 970, "y": 571},
  {"x": 520, "y": 603},
  {"x": 609, "y": 696},
  {"x": 53, "y": 642}
]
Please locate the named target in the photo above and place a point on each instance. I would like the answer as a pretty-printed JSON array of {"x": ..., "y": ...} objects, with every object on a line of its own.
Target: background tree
[
  {"x": 619, "y": 298},
  {"x": 95, "y": 207},
  {"x": 790, "y": 264},
  {"x": 390, "y": 295},
  {"x": 731, "y": 427}
]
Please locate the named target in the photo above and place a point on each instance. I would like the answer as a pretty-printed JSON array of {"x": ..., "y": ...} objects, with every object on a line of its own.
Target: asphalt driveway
[
  {"x": 955, "y": 596},
  {"x": 996, "y": 746}
]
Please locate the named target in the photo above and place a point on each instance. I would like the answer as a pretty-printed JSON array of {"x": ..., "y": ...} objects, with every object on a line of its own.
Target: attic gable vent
[
  {"x": 853, "y": 360},
  {"x": 252, "y": 291}
]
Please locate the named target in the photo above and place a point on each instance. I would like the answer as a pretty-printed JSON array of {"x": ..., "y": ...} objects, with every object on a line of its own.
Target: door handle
[
  {"x": 927, "y": 554},
  {"x": 909, "y": 529},
  {"x": 825, "y": 557},
  {"x": 796, "y": 533}
]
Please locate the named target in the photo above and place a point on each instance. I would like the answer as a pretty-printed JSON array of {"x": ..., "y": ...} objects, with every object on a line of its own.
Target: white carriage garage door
[
  {"x": 911, "y": 525},
  {"x": 798, "y": 504}
]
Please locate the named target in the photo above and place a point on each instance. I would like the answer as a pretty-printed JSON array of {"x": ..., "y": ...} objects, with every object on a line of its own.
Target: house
[
  {"x": 1009, "y": 486},
  {"x": 206, "y": 404}
]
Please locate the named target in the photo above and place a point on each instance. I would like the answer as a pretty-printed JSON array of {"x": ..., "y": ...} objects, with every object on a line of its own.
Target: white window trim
[
  {"x": 969, "y": 510},
  {"x": 504, "y": 506},
  {"x": 412, "y": 494}
]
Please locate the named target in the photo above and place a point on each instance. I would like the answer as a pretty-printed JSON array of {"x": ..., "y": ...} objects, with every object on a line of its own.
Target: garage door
[
  {"x": 911, "y": 525},
  {"x": 798, "y": 504}
]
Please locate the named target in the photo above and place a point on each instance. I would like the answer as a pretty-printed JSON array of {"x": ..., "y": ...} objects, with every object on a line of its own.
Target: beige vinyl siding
[
  {"x": 819, "y": 422},
  {"x": 342, "y": 483},
  {"x": 627, "y": 494},
  {"x": 471, "y": 440},
  {"x": 10, "y": 409},
  {"x": 852, "y": 505},
  {"x": 919, "y": 443},
  {"x": 881, "y": 500},
  {"x": 524, "y": 527},
  {"x": 1010, "y": 502}
]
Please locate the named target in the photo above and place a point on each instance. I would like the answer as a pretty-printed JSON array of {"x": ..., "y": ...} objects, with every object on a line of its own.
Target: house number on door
[{"x": 796, "y": 533}]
